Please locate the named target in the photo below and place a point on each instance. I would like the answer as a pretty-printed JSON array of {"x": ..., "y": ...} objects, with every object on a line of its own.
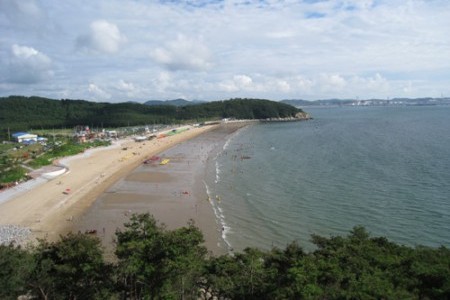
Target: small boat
[{"x": 164, "y": 161}]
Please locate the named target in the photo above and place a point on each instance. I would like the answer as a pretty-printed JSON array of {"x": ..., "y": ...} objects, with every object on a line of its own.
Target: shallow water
[
  {"x": 173, "y": 193},
  {"x": 386, "y": 168}
]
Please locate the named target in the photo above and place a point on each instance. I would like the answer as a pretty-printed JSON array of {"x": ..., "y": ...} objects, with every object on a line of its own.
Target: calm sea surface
[{"x": 386, "y": 168}]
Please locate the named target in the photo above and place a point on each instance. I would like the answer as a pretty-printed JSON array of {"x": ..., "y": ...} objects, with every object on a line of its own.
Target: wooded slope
[{"x": 25, "y": 113}]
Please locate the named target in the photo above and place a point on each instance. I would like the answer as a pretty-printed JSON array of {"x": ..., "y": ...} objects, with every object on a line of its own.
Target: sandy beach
[
  {"x": 104, "y": 186},
  {"x": 51, "y": 208}
]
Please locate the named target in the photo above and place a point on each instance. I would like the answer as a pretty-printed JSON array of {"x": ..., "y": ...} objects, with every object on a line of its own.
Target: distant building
[
  {"x": 24, "y": 137},
  {"x": 111, "y": 134}
]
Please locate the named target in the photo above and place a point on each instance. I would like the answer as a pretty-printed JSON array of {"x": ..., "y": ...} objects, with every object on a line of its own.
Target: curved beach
[
  {"x": 173, "y": 192},
  {"x": 57, "y": 206}
]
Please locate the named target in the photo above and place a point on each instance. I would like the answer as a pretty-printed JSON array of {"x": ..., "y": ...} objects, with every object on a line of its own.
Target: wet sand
[
  {"x": 173, "y": 193},
  {"x": 48, "y": 210}
]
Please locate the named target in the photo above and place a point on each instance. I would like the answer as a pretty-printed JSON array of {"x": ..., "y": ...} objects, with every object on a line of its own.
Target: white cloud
[
  {"x": 372, "y": 84},
  {"x": 97, "y": 92},
  {"x": 163, "y": 81},
  {"x": 238, "y": 83},
  {"x": 408, "y": 88},
  {"x": 128, "y": 90},
  {"x": 28, "y": 66},
  {"x": 218, "y": 50},
  {"x": 304, "y": 85},
  {"x": 104, "y": 37},
  {"x": 242, "y": 81},
  {"x": 283, "y": 86},
  {"x": 23, "y": 52},
  {"x": 331, "y": 83},
  {"x": 183, "y": 54},
  {"x": 125, "y": 86},
  {"x": 281, "y": 34},
  {"x": 23, "y": 14}
]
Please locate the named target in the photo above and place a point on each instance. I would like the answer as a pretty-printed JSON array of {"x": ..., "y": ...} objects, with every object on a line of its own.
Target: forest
[
  {"x": 152, "y": 262},
  {"x": 19, "y": 113}
]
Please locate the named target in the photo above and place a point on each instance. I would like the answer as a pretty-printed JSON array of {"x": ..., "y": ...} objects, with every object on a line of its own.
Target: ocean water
[{"x": 386, "y": 168}]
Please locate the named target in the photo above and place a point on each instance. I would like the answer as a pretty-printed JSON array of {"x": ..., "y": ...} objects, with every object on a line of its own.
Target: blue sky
[{"x": 120, "y": 50}]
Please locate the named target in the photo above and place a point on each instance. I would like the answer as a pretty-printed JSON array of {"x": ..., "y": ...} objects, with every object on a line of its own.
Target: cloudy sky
[{"x": 121, "y": 50}]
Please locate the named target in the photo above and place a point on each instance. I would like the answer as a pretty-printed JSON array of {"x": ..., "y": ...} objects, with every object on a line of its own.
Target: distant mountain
[
  {"x": 174, "y": 102},
  {"x": 369, "y": 102}
]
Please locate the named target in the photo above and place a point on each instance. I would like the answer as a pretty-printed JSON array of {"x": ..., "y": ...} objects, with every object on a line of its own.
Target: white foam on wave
[
  {"x": 227, "y": 144},
  {"x": 232, "y": 137},
  {"x": 217, "y": 171},
  {"x": 220, "y": 217}
]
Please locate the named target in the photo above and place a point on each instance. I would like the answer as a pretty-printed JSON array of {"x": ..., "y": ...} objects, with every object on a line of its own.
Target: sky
[{"x": 139, "y": 50}]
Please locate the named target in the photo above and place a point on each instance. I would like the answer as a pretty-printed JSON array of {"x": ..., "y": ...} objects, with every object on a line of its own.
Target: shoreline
[
  {"x": 92, "y": 174},
  {"x": 45, "y": 209},
  {"x": 174, "y": 193}
]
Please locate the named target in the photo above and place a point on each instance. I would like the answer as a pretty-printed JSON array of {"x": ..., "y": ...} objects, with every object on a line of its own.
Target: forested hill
[{"x": 23, "y": 113}]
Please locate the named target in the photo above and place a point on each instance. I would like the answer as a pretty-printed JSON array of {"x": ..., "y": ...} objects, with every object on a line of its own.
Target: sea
[{"x": 384, "y": 168}]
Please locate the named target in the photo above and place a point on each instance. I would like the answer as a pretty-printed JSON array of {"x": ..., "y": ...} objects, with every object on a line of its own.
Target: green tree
[
  {"x": 243, "y": 276},
  {"x": 71, "y": 268},
  {"x": 15, "y": 268},
  {"x": 431, "y": 268},
  {"x": 155, "y": 263}
]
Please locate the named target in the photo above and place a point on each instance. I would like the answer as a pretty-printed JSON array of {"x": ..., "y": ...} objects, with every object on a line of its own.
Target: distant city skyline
[{"x": 123, "y": 50}]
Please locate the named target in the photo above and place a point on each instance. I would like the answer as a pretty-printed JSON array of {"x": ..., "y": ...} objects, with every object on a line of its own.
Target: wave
[
  {"x": 217, "y": 172},
  {"x": 233, "y": 136},
  {"x": 220, "y": 217}
]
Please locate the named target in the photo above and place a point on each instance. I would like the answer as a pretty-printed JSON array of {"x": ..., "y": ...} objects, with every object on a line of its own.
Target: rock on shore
[{"x": 13, "y": 234}]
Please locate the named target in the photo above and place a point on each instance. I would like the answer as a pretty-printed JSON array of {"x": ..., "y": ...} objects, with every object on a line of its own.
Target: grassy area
[
  {"x": 54, "y": 132},
  {"x": 25, "y": 152},
  {"x": 6, "y": 147},
  {"x": 68, "y": 149},
  {"x": 15, "y": 174},
  {"x": 173, "y": 132},
  {"x": 35, "y": 157}
]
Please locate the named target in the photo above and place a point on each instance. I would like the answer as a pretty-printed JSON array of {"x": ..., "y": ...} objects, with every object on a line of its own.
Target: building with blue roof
[{"x": 24, "y": 137}]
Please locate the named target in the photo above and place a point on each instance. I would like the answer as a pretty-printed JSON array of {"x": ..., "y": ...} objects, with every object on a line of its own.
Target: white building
[{"x": 22, "y": 137}]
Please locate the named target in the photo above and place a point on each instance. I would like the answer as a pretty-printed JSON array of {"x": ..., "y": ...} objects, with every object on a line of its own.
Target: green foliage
[
  {"x": 71, "y": 268},
  {"x": 6, "y": 147},
  {"x": 67, "y": 149},
  {"x": 24, "y": 113},
  {"x": 239, "y": 109},
  {"x": 15, "y": 173},
  {"x": 156, "y": 263},
  {"x": 352, "y": 267},
  {"x": 15, "y": 268}
]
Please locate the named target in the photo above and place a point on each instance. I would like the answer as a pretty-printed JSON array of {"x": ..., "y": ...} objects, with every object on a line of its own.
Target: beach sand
[
  {"x": 107, "y": 185},
  {"x": 173, "y": 193},
  {"x": 49, "y": 212}
]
